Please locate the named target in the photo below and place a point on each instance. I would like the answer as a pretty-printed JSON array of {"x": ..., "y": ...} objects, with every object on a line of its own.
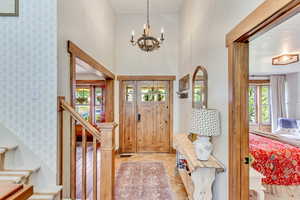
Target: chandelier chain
[{"x": 148, "y": 11}]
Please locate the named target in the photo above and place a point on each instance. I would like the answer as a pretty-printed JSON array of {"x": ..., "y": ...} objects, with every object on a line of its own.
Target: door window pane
[
  {"x": 147, "y": 94},
  {"x": 129, "y": 93},
  {"x": 160, "y": 94}
]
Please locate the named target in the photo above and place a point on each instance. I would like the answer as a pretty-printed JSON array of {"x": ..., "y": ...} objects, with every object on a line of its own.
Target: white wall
[
  {"x": 89, "y": 25},
  {"x": 28, "y": 79},
  {"x": 132, "y": 61},
  {"x": 293, "y": 95},
  {"x": 203, "y": 25}
]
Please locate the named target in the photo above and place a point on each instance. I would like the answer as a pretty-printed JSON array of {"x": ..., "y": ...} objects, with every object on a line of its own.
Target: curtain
[{"x": 278, "y": 107}]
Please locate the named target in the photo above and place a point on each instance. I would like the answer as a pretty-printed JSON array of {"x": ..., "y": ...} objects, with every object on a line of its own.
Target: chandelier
[{"x": 147, "y": 42}]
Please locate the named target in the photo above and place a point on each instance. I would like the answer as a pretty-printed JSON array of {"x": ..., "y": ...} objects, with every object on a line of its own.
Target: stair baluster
[{"x": 105, "y": 136}]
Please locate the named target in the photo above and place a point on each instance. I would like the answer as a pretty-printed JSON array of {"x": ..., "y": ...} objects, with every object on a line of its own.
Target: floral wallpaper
[{"x": 28, "y": 76}]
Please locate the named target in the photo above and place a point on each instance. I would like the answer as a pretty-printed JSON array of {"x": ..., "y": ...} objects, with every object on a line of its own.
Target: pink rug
[{"x": 142, "y": 180}]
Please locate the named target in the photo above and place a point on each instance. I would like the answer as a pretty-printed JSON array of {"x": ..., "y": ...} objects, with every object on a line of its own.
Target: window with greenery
[
  {"x": 83, "y": 100},
  {"x": 252, "y": 105},
  {"x": 157, "y": 94},
  {"x": 259, "y": 104},
  {"x": 90, "y": 102}
]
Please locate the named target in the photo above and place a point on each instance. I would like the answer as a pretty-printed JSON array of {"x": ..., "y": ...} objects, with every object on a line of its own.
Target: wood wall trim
[
  {"x": 109, "y": 100},
  {"x": 171, "y": 96},
  {"x": 25, "y": 193},
  {"x": 238, "y": 121},
  {"x": 266, "y": 16},
  {"x": 77, "y": 52},
  {"x": 91, "y": 82},
  {"x": 146, "y": 78},
  {"x": 259, "y": 81}
]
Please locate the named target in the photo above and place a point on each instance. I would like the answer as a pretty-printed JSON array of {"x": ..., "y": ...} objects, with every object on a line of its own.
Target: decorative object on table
[
  {"x": 205, "y": 123},
  {"x": 199, "y": 88},
  {"x": 9, "y": 8},
  {"x": 147, "y": 42},
  {"x": 184, "y": 86}
]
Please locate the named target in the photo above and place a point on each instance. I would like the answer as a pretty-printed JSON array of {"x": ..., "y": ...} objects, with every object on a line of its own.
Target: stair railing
[{"x": 103, "y": 139}]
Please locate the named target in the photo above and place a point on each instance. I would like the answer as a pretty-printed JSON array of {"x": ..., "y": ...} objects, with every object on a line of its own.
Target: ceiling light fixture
[
  {"x": 285, "y": 59},
  {"x": 147, "y": 42}
]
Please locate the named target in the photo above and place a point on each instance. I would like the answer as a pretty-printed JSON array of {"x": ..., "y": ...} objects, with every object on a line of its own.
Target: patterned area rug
[{"x": 142, "y": 180}]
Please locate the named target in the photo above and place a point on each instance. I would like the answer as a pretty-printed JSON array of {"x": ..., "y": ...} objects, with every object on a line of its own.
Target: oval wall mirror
[{"x": 199, "y": 88}]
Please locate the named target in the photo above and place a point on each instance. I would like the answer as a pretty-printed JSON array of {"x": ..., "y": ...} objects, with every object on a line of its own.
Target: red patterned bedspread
[{"x": 278, "y": 162}]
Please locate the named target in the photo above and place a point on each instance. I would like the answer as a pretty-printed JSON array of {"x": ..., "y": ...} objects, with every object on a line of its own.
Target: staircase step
[
  {"x": 42, "y": 197},
  {"x": 7, "y": 148},
  {"x": 17, "y": 173},
  {"x": 24, "y": 169},
  {"x": 47, "y": 193},
  {"x": 11, "y": 179}
]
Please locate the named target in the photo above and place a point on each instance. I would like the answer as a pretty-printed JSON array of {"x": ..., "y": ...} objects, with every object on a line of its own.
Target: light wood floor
[{"x": 168, "y": 160}]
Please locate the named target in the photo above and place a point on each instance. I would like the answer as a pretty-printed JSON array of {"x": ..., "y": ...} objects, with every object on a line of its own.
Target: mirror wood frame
[
  {"x": 268, "y": 15},
  {"x": 205, "y": 80}
]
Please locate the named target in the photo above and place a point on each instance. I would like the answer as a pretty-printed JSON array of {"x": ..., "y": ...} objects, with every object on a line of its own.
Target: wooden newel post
[{"x": 107, "y": 168}]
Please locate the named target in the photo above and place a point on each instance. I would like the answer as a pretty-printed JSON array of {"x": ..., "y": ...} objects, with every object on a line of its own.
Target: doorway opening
[{"x": 267, "y": 16}]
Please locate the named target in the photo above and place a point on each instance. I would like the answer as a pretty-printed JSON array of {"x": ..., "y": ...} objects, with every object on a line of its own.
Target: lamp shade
[{"x": 205, "y": 122}]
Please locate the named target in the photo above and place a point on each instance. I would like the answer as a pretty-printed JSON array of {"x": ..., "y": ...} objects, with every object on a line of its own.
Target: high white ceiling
[
  {"x": 284, "y": 38},
  {"x": 139, "y": 6}
]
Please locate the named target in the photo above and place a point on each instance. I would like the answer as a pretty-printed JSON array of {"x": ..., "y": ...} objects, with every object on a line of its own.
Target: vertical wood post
[
  {"x": 60, "y": 140},
  {"x": 107, "y": 167},
  {"x": 238, "y": 120},
  {"x": 109, "y": 100}
]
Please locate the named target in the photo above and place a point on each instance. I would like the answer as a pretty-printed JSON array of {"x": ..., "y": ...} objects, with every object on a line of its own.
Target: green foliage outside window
[
  {"x": 252, "y": 105},
  {"x": 259, "y": 97},
  {"x": 265, "y": 104}
]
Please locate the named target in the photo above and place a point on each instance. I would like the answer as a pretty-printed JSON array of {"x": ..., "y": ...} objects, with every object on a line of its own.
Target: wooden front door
[{"x": 145, "y": 116}]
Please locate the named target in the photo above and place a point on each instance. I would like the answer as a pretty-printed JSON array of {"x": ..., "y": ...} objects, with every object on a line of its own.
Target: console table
[{"x": 199, "y": 176}]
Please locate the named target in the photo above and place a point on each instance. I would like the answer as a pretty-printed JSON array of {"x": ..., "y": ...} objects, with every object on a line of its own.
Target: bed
[{"x": 279, "y": 162}]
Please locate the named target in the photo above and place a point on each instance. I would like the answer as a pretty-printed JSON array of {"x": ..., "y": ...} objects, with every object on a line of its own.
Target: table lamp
[{"x": 205, "y": 123}]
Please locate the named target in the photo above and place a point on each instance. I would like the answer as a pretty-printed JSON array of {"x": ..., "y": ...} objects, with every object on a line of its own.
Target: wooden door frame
[
  {"x": 268, "y": 15},
  {"x": 76, "y": 52},
  {"x": 171, "y": 101}
]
